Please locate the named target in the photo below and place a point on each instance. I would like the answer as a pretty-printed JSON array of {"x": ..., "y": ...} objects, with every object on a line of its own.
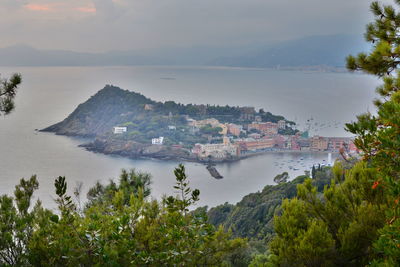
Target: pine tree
[
  {"x": 8, "y": 89},
  {"x": 357, "y": 220},
  {"x": 378, "y": 136},
  {"x": 313, "y": 171}
]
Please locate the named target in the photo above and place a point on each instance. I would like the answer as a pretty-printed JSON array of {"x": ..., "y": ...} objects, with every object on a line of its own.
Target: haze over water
[{"x": 48, "y": 95}]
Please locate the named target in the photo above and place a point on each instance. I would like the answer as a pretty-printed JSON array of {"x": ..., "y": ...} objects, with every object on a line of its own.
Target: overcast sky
[{"x": 100, "y": 25}]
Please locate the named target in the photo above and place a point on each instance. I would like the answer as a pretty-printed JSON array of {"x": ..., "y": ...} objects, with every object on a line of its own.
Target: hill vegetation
[
  {"x": 119, "y": 226},
  {"x": 253, "y": 216},
  {"x": 113, "y": 106},
  {"x": 356, "y": 221}
]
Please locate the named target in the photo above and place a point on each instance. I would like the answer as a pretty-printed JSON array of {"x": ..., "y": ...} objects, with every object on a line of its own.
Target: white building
[
  {"x": 120, "y": 130},
  {"x": 171, "y": 127},
  {"x": 157, "y": 141}
]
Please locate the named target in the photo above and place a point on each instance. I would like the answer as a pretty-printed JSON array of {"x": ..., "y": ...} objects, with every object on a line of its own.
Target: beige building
[
  {"x": 254, "y": 145},
  {"x": 269, "y": 128},
  {"x": 217, "y": 151},
  {"x": 213, "y": 122},
  {"x": 319, "y": 143},
  {"x": 224, "y": 128},
  {"x": 234, "y": 129}
]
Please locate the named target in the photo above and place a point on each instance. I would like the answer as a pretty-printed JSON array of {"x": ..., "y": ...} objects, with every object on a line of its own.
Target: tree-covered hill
[
  {"x": 113, "y": 106},
  {"x": 252, "y": 217},
  {"x": 107, "y": 108}
]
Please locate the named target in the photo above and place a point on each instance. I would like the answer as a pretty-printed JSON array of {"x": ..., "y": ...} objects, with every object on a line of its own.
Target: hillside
[
  {"x": 113, "y": 106},
  {"x": 23, "y": 55},
  {"x": 252, "y": 217},
  {"x": 107, "y": 108}
]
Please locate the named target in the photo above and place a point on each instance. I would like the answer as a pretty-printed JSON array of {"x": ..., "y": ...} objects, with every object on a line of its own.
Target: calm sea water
[{"x": 48, "y": 95}]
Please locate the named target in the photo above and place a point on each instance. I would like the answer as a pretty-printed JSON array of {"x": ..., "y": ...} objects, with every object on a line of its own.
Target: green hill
[
  {"x": 113, "y": 106},
  {"x": 252, "y": 217}
]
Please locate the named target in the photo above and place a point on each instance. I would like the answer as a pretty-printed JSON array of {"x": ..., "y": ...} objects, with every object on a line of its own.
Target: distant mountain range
[{"x": 328, "y": 50}]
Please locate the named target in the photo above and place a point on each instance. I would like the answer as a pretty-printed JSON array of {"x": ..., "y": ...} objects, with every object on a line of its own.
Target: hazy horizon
[{"x": 125, "y": 25}]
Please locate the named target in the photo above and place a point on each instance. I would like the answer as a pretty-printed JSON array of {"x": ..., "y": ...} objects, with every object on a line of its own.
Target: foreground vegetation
[
  {"x": 253, "y": 216},
  {"x": 118, "y": 227},
  {"x": 356, "y": 219}
]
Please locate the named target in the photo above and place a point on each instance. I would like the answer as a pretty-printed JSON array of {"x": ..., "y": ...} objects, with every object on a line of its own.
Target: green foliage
[
  {"x": 383, "y": 34},
  {"x": 8, "y": 89},
  {"x": 337, "y": 228},
  {"x": 208, "y": 129},
  {"x": 118, "y": 228},
  {"x": 378, "y": 135},
  {"x": 129, "y": 183},
  {"x": 252, "y": 217},
  {"x": 17, "y": 223},
  {"x": 281, "y": 178},
  {"x": 288, "y": 131},
  {"x": 187, "y": 196},
  {"x": 268, "y": 116},
  {"x": 356, "y": 221}
]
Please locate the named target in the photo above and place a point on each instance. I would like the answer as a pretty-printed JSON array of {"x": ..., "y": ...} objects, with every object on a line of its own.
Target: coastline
[{"x": 190, "y": 158}]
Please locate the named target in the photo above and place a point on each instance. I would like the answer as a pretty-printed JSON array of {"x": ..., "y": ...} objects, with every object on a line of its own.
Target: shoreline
[
  {"x": 91, "y": 147},
  {"x": 200, "y": 161}
]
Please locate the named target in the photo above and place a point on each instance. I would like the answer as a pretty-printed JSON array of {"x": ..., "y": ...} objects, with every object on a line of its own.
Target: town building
[
  {"x": 247, "y": 113},
  {"x": 224, "y": 129},
  {"x": 171, "y": 127},
  {"x": 281, "y": 124},
  {"x": 268, "y": 128},
  {"x": 252, "y": 145},
  {"x": 201, "y": 123},
  {"x": 255, "y": 135},
  {"x": 337, "y": 143},
  {"x": 234, "y": 129},
  {"x": 190, "y": 121},
  {"x": 216, "y": 151},
  {"x": 293, "y": 143},
  {"x": 226, "y": 141},
  {"x": 119, "y": 130},
  {"x": 148, "y": 107},
  {"x": 157, "y": 141},
  {"x": 280, "y": 141},
  {"x": 319, "y": 143},
  {"x": 304, "y": 144}
]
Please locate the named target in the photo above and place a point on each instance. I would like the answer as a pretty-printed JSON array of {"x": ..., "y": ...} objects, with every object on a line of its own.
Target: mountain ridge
[{"x": 327, "y": 50}]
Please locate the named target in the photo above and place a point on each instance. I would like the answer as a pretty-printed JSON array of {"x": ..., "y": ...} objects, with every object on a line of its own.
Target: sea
[{"x": 320, "y": 102}]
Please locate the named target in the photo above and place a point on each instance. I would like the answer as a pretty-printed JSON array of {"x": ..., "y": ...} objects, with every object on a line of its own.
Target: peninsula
[{"x": 128, "y": 124}]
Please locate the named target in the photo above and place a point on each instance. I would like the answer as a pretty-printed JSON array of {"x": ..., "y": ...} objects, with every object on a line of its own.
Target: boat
[{"x": 214, "y": 173}]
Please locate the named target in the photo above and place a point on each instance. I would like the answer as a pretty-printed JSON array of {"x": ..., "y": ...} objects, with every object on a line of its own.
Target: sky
[{"x": 103, "y": 25}]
